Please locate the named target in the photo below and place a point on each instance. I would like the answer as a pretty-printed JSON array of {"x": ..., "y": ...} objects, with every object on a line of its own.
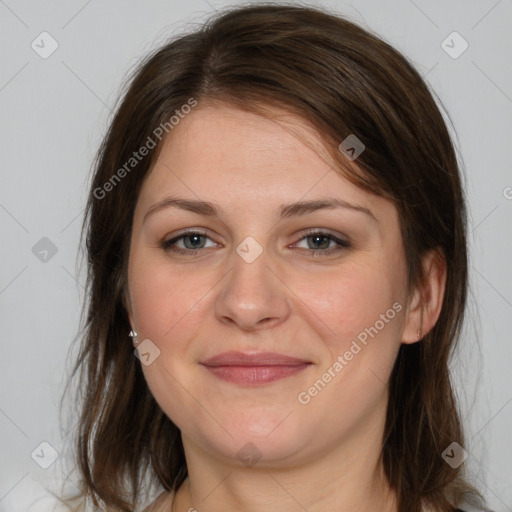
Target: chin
[{"x": 261, "y": 442}]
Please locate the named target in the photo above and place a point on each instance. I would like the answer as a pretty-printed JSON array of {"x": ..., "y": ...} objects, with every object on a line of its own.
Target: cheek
[
  {"x": 167, "y": 306},
  {"x": 353, "y": 299},
  {"x": 164, "y": 301},
  {"x": 363, "y": 308}
]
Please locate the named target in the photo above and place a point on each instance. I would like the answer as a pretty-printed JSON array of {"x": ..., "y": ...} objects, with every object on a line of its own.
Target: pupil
[
  {"x": 195, "y": 239},
  {"x": 317, "y": 238}
]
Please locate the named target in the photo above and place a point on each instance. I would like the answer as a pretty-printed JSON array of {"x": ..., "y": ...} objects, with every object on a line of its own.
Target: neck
[{"x": 344, "y": 479}]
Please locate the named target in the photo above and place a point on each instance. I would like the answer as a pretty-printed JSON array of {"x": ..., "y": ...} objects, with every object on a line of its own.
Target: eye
[
  {"x": 318, "y": 243},
  {"x": 187, "y": 242},
  {"x": 322, "y": 243}
]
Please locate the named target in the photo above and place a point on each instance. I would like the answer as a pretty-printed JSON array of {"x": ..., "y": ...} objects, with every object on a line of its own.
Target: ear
[{"x": 424, "y": 305}]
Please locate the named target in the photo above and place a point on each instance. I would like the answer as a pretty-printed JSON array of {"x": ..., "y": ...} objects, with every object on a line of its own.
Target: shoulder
[{"x": 163, "y": 500}]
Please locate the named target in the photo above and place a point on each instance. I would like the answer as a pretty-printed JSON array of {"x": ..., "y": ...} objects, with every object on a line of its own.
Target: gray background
[{"x": 54, "y": 113}]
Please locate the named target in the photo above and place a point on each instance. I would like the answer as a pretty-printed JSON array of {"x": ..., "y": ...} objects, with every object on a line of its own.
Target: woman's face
[{"x": 264, "y": 339}]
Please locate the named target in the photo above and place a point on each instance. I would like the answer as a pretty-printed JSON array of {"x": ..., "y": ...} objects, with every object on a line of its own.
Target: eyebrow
[{"x": 285, "y": 211}]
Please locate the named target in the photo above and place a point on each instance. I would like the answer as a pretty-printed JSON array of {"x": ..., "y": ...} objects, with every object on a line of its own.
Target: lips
[
  {"x": 257, "y": 359},
  {"x": 254, "y": 369}
]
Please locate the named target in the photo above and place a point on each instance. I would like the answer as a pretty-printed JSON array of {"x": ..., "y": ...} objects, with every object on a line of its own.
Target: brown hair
[{"x": 344, "y": 81}]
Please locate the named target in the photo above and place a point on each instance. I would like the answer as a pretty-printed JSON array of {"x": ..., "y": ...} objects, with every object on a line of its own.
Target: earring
[
  {"x": 132, "y": 334},
  {"x": 418, "y": 333}
]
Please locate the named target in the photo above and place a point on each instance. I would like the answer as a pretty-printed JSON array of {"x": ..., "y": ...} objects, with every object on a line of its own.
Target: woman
[{"x": 277, "y": 223}]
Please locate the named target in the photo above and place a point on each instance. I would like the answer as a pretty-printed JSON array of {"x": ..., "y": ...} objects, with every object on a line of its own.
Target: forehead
[
  {"x": 229, "y": 136},
  {"x": 217, "y": 149}
]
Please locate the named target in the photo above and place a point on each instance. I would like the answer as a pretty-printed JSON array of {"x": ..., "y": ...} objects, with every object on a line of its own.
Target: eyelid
[
  {"x": 185, "y": 233},
  {"x": 342, "y": 241},
  {"x": 326, "y": 232}
]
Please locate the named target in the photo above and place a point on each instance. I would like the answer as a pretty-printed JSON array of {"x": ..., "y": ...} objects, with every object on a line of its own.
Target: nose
[{"x": 252, "y": 295}]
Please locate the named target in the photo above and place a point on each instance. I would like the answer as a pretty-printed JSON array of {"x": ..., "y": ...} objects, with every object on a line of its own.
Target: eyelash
[{"x": 169, "y": 246}]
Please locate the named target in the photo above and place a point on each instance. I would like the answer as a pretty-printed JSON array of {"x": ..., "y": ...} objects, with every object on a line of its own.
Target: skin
[{"x": 323, "y": 455}]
